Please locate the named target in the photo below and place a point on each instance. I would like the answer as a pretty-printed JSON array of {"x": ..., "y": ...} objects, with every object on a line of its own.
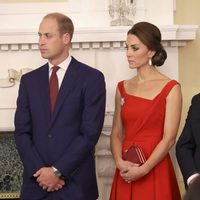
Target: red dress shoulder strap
[
  {"x": 168, "y": 87},
  {"x": 121, "y": 88}
]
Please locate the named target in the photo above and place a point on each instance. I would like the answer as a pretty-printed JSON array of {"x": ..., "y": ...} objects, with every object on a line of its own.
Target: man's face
[{"x": 52, "y": 45}]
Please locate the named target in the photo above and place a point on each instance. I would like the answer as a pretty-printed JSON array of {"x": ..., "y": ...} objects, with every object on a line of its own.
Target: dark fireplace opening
[{"x": 10, "y": 167}]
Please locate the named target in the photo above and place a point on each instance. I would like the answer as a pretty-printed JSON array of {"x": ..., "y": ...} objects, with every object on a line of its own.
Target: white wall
[{"x": 84, "y": 13}]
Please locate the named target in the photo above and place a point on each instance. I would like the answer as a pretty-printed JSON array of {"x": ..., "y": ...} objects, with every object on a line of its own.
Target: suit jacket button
[{"x": 49, "y": 135}]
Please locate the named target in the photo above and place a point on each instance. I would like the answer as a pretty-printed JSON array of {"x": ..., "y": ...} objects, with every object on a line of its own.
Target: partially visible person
[
  {"x": 147, "y": 114},
  {"x": 59, "y": 118},
  {"x": 193, "y": 192},
  {"x": 188, "y": 145}
]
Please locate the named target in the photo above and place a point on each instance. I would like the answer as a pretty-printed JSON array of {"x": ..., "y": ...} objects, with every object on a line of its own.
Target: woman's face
[{"x": 138, "y": 54}]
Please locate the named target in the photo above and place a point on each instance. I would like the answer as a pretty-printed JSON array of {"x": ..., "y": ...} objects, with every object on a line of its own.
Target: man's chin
[{"x": 44, "y": 56}]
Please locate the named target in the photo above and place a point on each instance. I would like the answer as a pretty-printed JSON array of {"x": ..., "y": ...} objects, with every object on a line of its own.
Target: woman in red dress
[{"x": 147, "y": 114}]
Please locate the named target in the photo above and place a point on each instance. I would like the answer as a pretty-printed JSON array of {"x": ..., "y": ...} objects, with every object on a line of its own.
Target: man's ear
[{"x": 66, "y": 38}]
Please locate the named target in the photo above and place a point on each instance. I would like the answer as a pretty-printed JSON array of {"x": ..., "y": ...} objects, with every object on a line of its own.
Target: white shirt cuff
[
  {"x": 191, "y": 178},
  {"x": 54, "y": 169}
]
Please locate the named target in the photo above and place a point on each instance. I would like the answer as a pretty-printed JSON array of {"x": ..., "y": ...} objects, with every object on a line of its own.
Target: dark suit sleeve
[
  {"x": 186, "y": 146},
  {"x": 23, "y": 133},
  {"x": 92, "y": 118}
]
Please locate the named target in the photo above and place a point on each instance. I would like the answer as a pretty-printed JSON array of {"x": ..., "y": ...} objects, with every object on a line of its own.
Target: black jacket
[{"x": 188, "y": 145}]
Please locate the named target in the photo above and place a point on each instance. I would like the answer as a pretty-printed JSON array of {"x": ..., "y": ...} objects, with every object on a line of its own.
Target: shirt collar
[{"x": 64, "y": 65}]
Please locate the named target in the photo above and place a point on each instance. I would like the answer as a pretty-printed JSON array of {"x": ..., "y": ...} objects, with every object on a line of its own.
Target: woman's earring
[{"x": 150, "y": 62}]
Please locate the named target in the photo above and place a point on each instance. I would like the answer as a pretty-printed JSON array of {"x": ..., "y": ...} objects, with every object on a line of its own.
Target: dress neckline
[{"x": 144, "y": 98}]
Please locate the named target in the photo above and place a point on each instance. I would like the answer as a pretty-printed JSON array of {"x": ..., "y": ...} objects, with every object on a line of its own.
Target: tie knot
[{"x": 55, "y": 69}]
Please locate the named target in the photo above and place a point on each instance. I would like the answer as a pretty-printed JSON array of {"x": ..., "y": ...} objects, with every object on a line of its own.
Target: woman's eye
[{"x": 134, "y": 48}]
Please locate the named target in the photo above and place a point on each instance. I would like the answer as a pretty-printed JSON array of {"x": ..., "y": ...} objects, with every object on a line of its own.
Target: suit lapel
[
  {"x": 66, "y": 87},
  {"x": 44, "y": 91}
]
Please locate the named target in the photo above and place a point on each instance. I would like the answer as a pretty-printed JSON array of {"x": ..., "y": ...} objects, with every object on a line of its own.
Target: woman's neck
[{"x": 147, "y": 73}]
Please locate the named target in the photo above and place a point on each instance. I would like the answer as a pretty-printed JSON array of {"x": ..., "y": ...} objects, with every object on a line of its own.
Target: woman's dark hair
[{"x": 150, "y": 36}]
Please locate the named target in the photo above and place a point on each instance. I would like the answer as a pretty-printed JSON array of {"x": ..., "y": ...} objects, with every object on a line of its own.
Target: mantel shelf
[{"x": 101, "y": 34}]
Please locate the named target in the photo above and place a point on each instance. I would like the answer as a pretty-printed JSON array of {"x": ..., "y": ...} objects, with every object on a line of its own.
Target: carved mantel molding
[
  {"x": 101, "y": 37},
  {"x": 13, "y": 75},
  {"x": 87, "y": 38}
]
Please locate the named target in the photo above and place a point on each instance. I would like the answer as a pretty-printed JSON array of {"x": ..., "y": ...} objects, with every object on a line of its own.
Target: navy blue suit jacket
[
  {"x": 188, "y": 145},
  {"x": 64, "y": 139}
]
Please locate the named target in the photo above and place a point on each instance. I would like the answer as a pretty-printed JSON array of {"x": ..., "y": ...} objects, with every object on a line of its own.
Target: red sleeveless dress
[{"x": 143, "y": 121}]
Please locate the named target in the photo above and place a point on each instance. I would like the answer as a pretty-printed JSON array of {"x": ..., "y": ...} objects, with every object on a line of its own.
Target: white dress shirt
[{"x": 61, "y": 72}]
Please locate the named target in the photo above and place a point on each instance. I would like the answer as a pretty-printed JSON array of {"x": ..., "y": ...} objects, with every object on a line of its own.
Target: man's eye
[{"x": 47, "y": 35}]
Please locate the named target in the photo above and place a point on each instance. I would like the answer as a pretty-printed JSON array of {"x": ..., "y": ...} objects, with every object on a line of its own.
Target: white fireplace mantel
[
  {"x": 172, "y": 35},
  {"x": 99, "y": 47}
]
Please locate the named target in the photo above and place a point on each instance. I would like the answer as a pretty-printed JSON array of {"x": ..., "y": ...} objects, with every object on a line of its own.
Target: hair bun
[{"x": 159, "y": 58}]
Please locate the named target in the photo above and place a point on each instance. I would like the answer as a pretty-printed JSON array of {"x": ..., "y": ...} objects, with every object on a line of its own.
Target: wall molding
[
  {"x": 39, "y": 7},
  {"x": 95, "y": 38},
  {"x": 13, "y": 76},
  {"x": 6, "y": 129}
]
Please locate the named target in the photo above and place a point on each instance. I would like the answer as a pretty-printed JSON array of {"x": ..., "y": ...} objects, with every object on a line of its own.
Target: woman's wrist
[
  {"x": 118, "y": 162},
  {"x": 145, "y": 169}
]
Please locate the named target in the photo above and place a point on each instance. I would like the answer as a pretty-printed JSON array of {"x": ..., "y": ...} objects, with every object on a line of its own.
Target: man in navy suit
[
  {"x": 56, "y": 145},
  {"x": 188, "y": 145}
]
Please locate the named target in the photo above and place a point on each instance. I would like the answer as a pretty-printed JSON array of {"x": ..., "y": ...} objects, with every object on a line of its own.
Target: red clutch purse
[{"x": 134, "y": 154}]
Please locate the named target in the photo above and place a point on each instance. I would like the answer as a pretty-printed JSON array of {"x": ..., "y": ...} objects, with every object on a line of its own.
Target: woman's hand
[
  {"x": 123, "y": 165},
  {"x": 133, "y": 173}
]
